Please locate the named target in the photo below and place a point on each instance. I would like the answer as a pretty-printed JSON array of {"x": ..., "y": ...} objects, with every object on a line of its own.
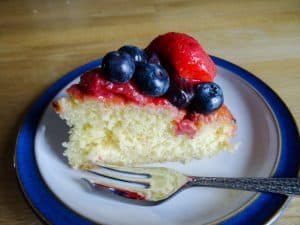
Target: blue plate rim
[{"x": 58, "y": 213}]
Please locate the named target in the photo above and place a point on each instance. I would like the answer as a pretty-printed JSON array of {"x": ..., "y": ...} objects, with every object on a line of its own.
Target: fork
[{"x": 154, "y": 185}]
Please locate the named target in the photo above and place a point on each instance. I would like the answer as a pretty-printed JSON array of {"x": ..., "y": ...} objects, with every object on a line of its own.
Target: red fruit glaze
[
  {"x": 186, "y": 126},
  {"x": 123, "y": 192},
  {"x": 94, "y": 85},
  {"x": 192, "y": 121},
  {"x": 91, "y": 83},
  {"x": 182, "y": 55}
]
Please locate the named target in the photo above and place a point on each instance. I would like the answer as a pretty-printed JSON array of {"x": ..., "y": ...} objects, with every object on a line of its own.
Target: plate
[{"x": 268, "y": 146}]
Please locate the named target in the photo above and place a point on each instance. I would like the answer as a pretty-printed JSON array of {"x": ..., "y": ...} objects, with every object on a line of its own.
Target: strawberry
[{"x": 182, "y": 55}]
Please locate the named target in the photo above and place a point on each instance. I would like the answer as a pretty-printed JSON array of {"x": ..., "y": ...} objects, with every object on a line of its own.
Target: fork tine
[
  {"x": 121, "y": 191},
  {"x": 131, "y": 170},
  {"x": 123, "y": 179}
]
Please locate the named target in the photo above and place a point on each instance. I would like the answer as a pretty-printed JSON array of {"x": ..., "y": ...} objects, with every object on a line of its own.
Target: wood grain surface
[{"x": 42, "y": 40}]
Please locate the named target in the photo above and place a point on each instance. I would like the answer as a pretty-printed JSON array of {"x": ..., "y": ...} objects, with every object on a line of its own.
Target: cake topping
[
  {"x": 151, "y": 79},
  {"x": 136, "y": 53},
  {"x": 118, "y": 67},
  {"x": 190, "y": 70},
  {"x": 208, "y": 97},
  {"x": 90, "y": 83},
  {"x": 153, "y": 58},
  {"x": 93, "y": 85},
  {"x": 181, "y": 98},
  {"x": 173, "y": 67},
  {"x": 184, "y": 56}
]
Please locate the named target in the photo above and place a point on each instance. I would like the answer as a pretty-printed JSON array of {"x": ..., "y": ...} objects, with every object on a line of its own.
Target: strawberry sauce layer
[{"x": 94, "y": 85}]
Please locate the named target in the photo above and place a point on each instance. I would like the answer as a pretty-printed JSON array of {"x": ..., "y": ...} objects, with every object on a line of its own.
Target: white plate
[{"x": 258, "y": 155}]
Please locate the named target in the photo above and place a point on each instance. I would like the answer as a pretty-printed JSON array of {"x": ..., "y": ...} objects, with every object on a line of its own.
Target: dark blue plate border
[{"x": 262, "y": 210}]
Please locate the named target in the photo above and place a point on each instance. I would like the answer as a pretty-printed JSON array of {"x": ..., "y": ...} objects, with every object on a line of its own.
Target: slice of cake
[{"x": 157, "y": 105}]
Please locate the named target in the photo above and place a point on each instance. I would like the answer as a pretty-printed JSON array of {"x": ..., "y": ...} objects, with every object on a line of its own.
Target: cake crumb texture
[{"x": 132, "y": 135}]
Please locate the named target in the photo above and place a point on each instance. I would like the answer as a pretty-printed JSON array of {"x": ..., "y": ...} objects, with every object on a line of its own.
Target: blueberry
[
  {"x": 118, "y": 67},
  {"x": 208, "y": 97},
  {"x": 179, "y": 97},
  {"x": 153, "y": 58},
  {"x": 151, "y": 79},
  {"x": 136, "y": 53}
]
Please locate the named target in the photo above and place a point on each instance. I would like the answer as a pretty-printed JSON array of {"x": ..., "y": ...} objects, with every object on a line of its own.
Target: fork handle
[{"x": 286, "y": 186}]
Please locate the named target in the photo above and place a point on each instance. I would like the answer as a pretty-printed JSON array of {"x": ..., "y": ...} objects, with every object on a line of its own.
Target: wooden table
[{"x": 42, "y": 40}]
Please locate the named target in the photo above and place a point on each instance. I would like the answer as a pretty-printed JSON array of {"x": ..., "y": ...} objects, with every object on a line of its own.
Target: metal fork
[{"x": 153, "y": 185}]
